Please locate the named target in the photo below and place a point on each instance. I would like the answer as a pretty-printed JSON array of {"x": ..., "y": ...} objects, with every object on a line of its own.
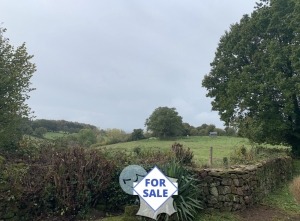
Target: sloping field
[
  {"x": 54, "y": 135},
  {"x": 222, "y": 146}
]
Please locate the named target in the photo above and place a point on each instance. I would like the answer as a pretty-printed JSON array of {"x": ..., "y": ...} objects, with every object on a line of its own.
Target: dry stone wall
[{"x": 239, "y": 187}]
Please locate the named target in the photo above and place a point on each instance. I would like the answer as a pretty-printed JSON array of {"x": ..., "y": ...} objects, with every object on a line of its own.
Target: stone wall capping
[{"x": 250, "y": 168}]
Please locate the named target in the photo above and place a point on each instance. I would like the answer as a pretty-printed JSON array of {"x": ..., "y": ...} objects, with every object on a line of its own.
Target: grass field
[
  {"x": 200, "y": 145},
  {"x": 53, "y": 135},
  {"x": 48, "y": 135}
]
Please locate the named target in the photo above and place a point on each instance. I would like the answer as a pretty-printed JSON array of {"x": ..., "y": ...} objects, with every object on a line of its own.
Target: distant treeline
[
  {"x": 205, "y": 129},
  {"x": 87, "y": 135},
  {"x": 55, "y": 125}
]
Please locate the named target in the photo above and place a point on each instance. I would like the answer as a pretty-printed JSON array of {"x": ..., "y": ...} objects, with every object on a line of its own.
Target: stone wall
[{"x": 239, "y": 187}]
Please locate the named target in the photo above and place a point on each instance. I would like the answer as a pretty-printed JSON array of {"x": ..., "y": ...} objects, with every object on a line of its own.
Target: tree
[
  {"x": 255, "y": 75},
  {"x": 40, "y": 131},
  {"x": 86, "y": 137},
  {"x": 202, "y": 132},
  {"x": 203, "y": 126},
  {"x": 230, "y": 131},
  {"x": 220, "y": 131},
  {"x": 66, "y": 128},
  {"x": 15, "y": 73},
  {"x": 26, "y": 127},
  {"x": 194, "y": 132},
  {"x": 116, "y": 135},
  {"x": 186, "y": 129},
  {"x": 164, "y": 122},
  {"x": 210, "y": 128},
  {"x": 137, "y": 134}
]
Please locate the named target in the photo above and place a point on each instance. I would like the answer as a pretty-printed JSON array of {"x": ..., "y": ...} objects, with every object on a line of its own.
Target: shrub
[
  {"x": 53, "y": 181},
  {"x": 87, "y": 137},
  {"x": 115, "y": 135},
  {"x": 257, "y": 153},
  {"x": 122, "y": 158},
  {"x": 184, "y": 156},
  {"x": 76, "y": 180},
  {"x": 153, "y": 157},
  {"x": 137, "y": 150},
  {"x": 114, "y": 198},
  {"x": 295, "y": 189},
  {"x": 40, "y": 131},
  {"x": 240, "y": 155}
]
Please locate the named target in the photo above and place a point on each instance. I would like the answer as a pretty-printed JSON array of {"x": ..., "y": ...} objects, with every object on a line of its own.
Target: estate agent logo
[{"x": 155, "y": 190}]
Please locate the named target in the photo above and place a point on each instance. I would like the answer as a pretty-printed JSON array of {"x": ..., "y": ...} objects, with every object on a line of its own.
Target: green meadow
[
  {"x": 48, "y": 135},
  {"x": 200, "y": 145},
  {"x": 54, "y": 135}
]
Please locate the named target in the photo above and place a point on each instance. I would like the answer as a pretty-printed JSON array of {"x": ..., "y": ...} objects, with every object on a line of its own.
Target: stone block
[
  {"x": 205, "y": 190},
  {"x": 236, "y": 182},
  {"x": 233, "y": 176},
  {"x": 226, "y": 181},
  {"x": 203, "y": 184},
  {"x": 245, "y": 177},
  {"x": 232, "y": 198},
  {"x": 224, "y": 190},
  {"x": 236, "y": 207},
  {"x": 239, "y": 191},
  {"x": 242, "y": 182},
  {"x": 203, "y": 173},
  {"x": 233, "y": 189},
  {"x": 208, "y": 179},
  {"x": 214, "y": 183},
  {"x": 246, "y": 187},
  {"x": 242, "y": 201},
  {"x": 212, "y": 199},
  {"x": 215, "y": 174},
  {"x": 228, "y": 204},
  {"x": 221, "y": 198},
  {"x": 237, "y": 171},
  {"x": 250, "y": 168},
  {"x": 214, "y": 191},
  {"x": 218, "y": 205}
]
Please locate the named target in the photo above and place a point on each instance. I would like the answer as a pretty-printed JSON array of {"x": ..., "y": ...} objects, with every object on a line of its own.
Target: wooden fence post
[{"x": 210, "y": 157}]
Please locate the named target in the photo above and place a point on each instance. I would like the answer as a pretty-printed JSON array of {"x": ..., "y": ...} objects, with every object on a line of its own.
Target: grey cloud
[{"x": 111, "y": 63}]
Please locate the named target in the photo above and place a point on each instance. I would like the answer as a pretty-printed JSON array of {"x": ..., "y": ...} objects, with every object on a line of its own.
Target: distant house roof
[{"x": 213, "y": 133}]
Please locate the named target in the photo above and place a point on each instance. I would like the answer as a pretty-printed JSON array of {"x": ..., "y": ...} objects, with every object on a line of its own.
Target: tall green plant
[{"x": 188, "y": 201}]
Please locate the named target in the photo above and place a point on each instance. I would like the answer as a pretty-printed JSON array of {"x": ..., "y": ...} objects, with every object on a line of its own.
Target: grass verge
[{"x": 282, "y": 198}]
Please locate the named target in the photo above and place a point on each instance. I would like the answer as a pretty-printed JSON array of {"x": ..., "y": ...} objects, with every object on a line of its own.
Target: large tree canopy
[
  {"x": 15, "y": 73},
  {"x": 255, "y": 75},
  {"x": 164, "y": 122}
]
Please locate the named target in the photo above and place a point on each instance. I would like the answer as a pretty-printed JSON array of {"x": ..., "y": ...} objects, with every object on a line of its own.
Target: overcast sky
[{"x": 110, "y": 63}]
